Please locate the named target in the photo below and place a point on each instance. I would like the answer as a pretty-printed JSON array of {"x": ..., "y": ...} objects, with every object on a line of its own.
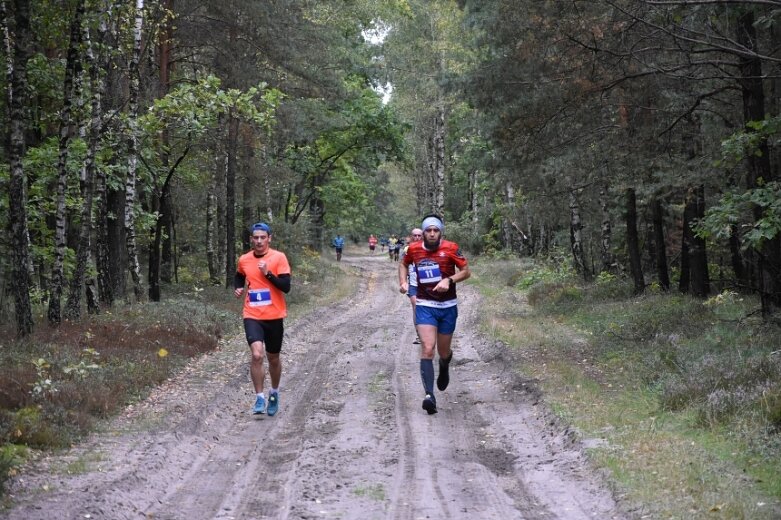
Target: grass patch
[
  {"x": 678, "y": 397},
  {"x": 58, "y": 383},
  {"x": 375, "y": 492}
]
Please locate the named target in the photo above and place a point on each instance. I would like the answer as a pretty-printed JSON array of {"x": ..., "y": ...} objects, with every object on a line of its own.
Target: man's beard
[{"x": 431, "y": 246}]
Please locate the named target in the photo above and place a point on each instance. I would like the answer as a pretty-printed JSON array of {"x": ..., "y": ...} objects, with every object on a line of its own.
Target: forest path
[{"x": 350, "y": 441}]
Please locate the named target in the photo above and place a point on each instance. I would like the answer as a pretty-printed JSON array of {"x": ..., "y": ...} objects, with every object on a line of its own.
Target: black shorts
[{"x": 270, "y": 332}]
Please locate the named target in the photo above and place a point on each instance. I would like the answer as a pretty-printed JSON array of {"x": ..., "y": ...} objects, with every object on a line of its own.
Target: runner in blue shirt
[{"x": 338, "y": 244}]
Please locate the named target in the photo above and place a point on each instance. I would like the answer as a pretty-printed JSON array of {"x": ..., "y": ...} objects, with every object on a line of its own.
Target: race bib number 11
[{"x": 429, "y": 273}]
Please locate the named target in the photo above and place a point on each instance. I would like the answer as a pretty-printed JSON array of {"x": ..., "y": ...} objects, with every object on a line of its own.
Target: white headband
[{"x": 433, "y": 221}]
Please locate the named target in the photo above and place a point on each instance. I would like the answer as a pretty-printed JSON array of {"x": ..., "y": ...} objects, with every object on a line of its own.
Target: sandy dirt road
[{"x": 350, "y": 441}]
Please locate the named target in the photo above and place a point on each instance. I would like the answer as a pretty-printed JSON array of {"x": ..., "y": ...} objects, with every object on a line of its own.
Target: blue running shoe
[
  {"x": 260, "y": 406},
  {"x": 273, "y": 404},
  {"x": 430, "y": 404}
]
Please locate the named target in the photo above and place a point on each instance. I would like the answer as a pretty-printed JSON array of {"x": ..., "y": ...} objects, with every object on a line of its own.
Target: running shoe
[
  {"x": 430, "y": 404},
  {"x": 260, "y": 406},
  {"x": 444, "y": 373},
  {"x": 273, "y": 404},
  {"x": 416, "y": 341}
]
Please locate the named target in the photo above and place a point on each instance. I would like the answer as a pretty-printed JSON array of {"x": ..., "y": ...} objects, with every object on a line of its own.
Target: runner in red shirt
[{"x": 439, "y": 264}]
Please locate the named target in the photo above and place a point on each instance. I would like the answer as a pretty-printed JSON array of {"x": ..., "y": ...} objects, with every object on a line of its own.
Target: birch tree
[
  {"x": 132, "y": 151},
  {"x": 72, "y": 70},
  {"x": 17, "y": 192}
]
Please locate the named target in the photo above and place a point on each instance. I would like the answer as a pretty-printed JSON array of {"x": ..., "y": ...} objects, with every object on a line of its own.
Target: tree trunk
[
  {"x": 73, "y": 307},
  {"x": 606, "y": 233},
  {"x": 130, "y": 184},
  {"x": 474, "y": 201},
  {"x": 684, "y": 283},
  {"x": 230, "y": 201},
  {"x": 576, "y": 238},
  {"x": 248, "y": 216},
  {"x": 105, "y": 284},
  {"x": 211, "y": 219},
  {"x": 507, "y": 230},
  {"x": 167, "y": 254},
  {"x": 87, "y": 185},
  {"x": 17, "y": 192},
  {"x": 660, "y": 250},
  {"x": 698, "y": 263},
  {"x": 633, "y": 242},
  {"x": 759, "y": 169},
  {"x": 117, "y": 241},
  {"x": 166, "y": 213},
  {"x": 736, "y": 258},
  {"x": 66, "y": 127},
  {"x": 267, "y": 185},
  {"x": 439, "y": 172}
]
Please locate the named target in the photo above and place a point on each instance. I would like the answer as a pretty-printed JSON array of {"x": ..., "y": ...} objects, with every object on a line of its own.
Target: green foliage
[
  {"x": 11, "y": 456},
  {"x": 553, "y": 270},
  {"x": 735, "y": 209},
  {"x": 191, "y": 109}
]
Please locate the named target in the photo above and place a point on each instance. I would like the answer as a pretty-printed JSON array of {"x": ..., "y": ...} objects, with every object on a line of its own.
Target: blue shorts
[
  {"x": 443, "y": 319},
  {"x": 412, "y": 290}
]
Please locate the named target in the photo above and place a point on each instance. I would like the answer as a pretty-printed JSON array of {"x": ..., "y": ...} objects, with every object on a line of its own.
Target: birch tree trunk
[
  {"x": 576, "y": 237},
  {"x": 66, "y": 127},
  {"x": 73, "y": 306},
  {"x": 105, "y": 285},
  {"x": 130, "y": 184},
  {"x": 633, "y": 242},
  {"x": 17, "y": 192}
]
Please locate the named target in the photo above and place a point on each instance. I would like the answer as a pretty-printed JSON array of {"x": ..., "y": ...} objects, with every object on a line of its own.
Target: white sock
[
  {"x": 261, "y": 395},
  {"x": 273, "y": 391}
]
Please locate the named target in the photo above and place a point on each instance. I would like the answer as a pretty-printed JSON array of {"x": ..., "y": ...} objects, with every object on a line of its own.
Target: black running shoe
[
  {"x": 444, "y": 373},
  {"x": 430, "y": 404}
]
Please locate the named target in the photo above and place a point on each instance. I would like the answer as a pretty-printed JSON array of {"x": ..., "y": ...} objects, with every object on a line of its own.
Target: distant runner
[
  {"x": 338, "y": 245},
  {"x": 372, "y": 243}
]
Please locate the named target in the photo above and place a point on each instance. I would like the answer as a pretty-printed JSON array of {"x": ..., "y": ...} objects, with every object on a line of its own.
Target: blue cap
[{"x": 262, "y": 226}]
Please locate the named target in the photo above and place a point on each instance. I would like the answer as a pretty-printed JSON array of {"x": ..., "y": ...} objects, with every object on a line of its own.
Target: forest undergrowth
[
  {"x": 677, "y": 398},
  {"x": 57, "y": 384}
]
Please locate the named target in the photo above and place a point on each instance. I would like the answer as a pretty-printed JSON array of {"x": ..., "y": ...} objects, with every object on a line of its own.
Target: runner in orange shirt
[{"x": 266, "y": 274}]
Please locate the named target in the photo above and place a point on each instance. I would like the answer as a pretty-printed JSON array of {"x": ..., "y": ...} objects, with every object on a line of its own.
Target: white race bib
[
  {"x": 428, "y": 272},
  {"x": 259, "y": 297}
]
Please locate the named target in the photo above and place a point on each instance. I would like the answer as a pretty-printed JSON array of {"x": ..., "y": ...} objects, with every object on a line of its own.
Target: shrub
[{"x": 720, "y": 386}]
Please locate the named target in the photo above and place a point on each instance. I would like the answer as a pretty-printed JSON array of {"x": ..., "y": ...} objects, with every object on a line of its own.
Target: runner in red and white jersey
[{"x": 439, "y": 264}]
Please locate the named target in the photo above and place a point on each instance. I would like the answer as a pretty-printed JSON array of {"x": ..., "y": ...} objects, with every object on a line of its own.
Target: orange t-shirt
[{"x": 263, "y": 301}]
